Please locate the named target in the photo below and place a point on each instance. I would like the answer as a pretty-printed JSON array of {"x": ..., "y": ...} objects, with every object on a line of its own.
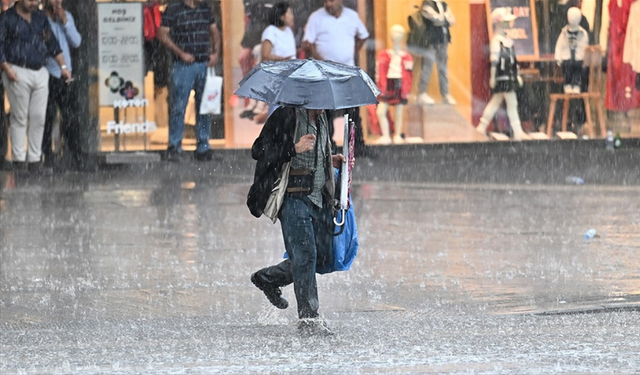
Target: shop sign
[
  {"x": 134, "y": 103},
  {"x": 120, "y": 52},
  {"x": 128, "y": 128},
  {"x": 524, "y": 31}
]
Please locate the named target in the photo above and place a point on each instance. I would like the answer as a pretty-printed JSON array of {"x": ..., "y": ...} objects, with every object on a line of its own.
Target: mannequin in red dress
[
  {"x": 395, "y": 67},
  {"x": 620, "y": 77}
]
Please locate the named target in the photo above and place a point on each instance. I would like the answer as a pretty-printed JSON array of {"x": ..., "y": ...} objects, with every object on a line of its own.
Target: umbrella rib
[{"x": 333, "y": 98}]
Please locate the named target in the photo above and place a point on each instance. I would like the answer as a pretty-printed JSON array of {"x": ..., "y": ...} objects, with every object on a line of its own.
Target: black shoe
[
  {"x": 308, "y": 327},
  {"x": 203, "y": 156},
  {"x": 38, "y": 169},
  {"x": 172, "y": 155},
  {"x": 20, "y": 168},
  {"x": 273, "y": 293}
]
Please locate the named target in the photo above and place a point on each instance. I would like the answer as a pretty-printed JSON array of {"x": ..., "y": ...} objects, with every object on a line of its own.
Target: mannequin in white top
[
  {"x": 394, "y": 79},
  {"x": 505, "y": 75},
  {"x": 570, "y": 49}
]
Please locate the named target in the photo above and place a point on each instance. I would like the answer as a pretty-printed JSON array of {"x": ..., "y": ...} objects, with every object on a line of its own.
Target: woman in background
[{"x": 278, "y": 41}]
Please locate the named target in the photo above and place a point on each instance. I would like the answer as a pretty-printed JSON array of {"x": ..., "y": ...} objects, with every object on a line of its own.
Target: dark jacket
[
  {"x": 423, "y": 33},
  {"x": 273, "y": 147}
]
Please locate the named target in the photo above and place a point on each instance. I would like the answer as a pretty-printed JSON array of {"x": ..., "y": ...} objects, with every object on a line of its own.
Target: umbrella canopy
[{"x": 311, "y": 84}]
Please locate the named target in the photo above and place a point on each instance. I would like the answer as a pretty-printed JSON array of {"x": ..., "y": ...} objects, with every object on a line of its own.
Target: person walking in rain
[
  {"x": 301, "y": 137},
  {"x": 62, "y": 94},
  {"x": 189, "y": 30},
  {"x": 26, "y": 41},
  {"x": 336, "y": 33}
]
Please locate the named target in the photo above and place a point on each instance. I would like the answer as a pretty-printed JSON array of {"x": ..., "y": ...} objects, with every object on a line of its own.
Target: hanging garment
[
  {"x": 631, "y": 54},
  {"x": 620, "y": 76}
]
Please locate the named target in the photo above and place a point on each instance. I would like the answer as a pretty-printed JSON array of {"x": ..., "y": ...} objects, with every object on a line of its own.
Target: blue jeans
[
  {"x": 184, "y": 78},
  {"x": 308, "y": 237}
]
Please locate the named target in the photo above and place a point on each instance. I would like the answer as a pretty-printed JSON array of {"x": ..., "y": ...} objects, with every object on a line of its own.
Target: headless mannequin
[
  {"x": 570, "y": 49},
  {"x": 504, "y": 77},
  {"x": 398, "y": 73}
]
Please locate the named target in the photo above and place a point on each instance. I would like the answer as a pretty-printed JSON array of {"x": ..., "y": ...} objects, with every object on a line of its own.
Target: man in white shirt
[{"x": 336, "y": 33}]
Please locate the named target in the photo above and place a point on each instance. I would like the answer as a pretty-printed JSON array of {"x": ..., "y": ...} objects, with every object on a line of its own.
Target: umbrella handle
[{"x": 341, "y": 223}]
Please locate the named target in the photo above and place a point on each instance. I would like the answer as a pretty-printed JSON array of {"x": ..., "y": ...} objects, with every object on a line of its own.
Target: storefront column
[{"x": 85, "y": 72}]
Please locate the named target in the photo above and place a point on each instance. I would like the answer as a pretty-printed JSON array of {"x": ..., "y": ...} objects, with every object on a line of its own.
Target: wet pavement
[{"x": 472, "y": 259}]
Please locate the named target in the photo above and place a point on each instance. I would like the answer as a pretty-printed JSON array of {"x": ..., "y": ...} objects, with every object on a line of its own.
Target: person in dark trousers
[
  {"x": 189, "y": 30},
  {"x": 26, "y": 41},
  {"x": 62, "y": 95},
  {"x": 301, "y": 137}
]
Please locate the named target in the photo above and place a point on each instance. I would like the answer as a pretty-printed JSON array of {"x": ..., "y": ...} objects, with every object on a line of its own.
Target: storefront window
[
  {"x": 134, "y": 81},
  {"x": 125, "y": 78}
]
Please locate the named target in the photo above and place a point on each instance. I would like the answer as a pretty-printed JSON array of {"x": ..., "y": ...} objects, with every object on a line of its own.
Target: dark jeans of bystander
[{"x": 63, "y": 96}]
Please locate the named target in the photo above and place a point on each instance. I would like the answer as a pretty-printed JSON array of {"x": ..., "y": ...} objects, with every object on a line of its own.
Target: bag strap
[{"x": 315, "y": 144}]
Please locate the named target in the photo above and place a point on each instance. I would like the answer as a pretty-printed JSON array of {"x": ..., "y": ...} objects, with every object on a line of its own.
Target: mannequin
[
  {"x": 570, "y": 47},
  {"x": 631, "y": 54},
  {"x": 505, "y": 75},
  {"x": 394, "y": 80},
  {"x": 429, "y": 39}
]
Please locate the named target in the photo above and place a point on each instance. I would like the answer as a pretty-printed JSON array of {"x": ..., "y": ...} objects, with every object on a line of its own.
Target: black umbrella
[{"x": 311, "y": 84}]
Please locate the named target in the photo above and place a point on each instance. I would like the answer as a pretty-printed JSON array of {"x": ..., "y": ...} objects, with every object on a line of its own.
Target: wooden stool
[{"x": 585, "y": 96}]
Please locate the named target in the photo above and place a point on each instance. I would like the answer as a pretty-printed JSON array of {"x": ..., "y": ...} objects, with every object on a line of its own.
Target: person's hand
[
  {"x": 213, "y": 60},
  {"x": 305, "y": 143},
  {"x": 337, "y": 160},
  {"x": 61, "y": 14},
  {"x": 66, "y": 74},
  {"x": 187, "y": 57},
  {"x": 520, "y": 81},
  {"x": 11, "y": 74}
]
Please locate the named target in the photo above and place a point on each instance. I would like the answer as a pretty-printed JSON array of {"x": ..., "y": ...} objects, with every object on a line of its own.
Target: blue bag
[{"x": 345, "y": 245}]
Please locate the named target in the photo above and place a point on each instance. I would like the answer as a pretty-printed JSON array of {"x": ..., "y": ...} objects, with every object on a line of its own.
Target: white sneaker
[
  {"x": 568, "y": 89},
  {"x": 426, "y": 99},
  {"x": 397, "y": 139},
  {"x": 520, "y": 136},
  {"x": 450, "y": 100},
  {"x": 384, "y": 140}
]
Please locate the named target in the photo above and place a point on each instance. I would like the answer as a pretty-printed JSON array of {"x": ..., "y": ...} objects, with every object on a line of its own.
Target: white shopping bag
[{"x": 211, "y": 96}]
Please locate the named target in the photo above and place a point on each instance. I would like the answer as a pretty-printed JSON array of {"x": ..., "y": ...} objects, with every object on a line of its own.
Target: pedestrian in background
[
  {"x": 26, "y": 41},
  {"x": 337, "y": 34},
  {"x": 62, "y": 95},
  {"x": 301, "y": 137},
  {"x": 278, "y": 41},
  {"x": 189, "y": 30}
]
